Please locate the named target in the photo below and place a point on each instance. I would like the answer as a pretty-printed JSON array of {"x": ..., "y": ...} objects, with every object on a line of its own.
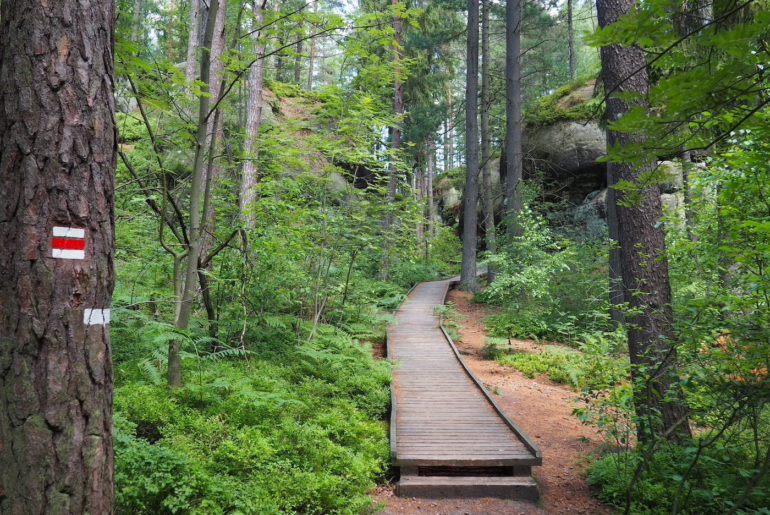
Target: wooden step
[{"x": 512, "y": 487}]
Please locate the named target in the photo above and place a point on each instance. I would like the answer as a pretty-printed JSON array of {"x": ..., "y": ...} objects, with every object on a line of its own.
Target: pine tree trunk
[
  {"x": 470, "y": 215},
  {"x": 57, "y": 163},
  {"x": 486, "y": 151},
  {"x": 513, "y": 154},
  {"x": 250, "y": 176},
  {"x": 658, "y": 401}
]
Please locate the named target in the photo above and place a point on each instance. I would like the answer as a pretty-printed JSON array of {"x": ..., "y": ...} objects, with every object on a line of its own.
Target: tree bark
[
  {"x": 658, "y": 401},
  {"x": 470, "y": 214},
  {"x": 513, "y": 154},
  {"x": 58, "y": 148},
  {"x": 215, "y": 129},
  {"x": 193, "y": 41},
  {"x": 486, "y": 151},
  {"x": 250, "y": 176}
]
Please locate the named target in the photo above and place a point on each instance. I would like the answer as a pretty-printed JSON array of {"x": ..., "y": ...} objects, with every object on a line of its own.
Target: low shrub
[{"x": 297, "y": 431}]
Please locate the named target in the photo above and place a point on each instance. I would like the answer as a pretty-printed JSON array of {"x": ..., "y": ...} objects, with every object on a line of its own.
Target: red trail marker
[{"x": 68, "y": 243}]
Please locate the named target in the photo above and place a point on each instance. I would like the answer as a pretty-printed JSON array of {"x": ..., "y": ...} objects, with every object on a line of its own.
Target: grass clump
[{"x": 595, "y": 364}]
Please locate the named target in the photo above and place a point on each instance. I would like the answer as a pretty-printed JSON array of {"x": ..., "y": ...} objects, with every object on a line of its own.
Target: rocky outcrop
[
  {"x": 588, "y": 220},
  {"x": 565, "y": 147}
]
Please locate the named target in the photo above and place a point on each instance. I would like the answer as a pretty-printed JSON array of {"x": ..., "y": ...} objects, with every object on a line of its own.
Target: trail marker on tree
[{"x": 68, "y": 243}]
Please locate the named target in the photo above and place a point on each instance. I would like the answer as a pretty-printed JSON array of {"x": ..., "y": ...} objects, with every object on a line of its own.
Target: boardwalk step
[{"x": 512, "y": 487}]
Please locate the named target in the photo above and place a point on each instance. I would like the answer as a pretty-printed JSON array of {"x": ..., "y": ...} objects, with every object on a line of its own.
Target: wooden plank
[{"x": 441, "y": 415}]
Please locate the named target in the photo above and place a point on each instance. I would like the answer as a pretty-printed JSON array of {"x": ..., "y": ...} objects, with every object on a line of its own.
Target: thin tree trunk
[
  {"x": 213, "y": 170},
  {"x": 250, "y": 176},
  {"x": 279, "y": 67},
  {"x": 571, "y": 42},
  {"x": 395, "y": 144},
  {"x": 136, "y": 29},
  {"x": 686, "y": 195},
  {"x": 196, "y": 204},
  {"x": 470, "y": 214},
  {"x": 193, "y": 41},
  {"x": 448, "y": 127},
  {"x": 299, "y": 48},
  {"x": 513, "y": 155},
  {"x": 58, "y": 149},
  {"x": 658, "y": 399},
  {"x": 419, "y": 190},
  {"x": 215, "y": 128},
  {"x": 617, "y": 296},
  {"x": 486, "y": 151},
  {"x": 431, "y": 203},
  {"x": 311, "y": 57}
]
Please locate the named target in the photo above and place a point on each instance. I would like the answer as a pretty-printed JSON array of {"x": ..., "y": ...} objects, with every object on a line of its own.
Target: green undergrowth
[
  {"x": 272, "y": 430},
  {"x": 594, "y": 365},
  {"x": 667, "y": 481},
  {"x": 563, "y": 104}
]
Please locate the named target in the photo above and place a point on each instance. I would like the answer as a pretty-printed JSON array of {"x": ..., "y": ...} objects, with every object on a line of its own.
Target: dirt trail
[{"x": 543, "y": 409}]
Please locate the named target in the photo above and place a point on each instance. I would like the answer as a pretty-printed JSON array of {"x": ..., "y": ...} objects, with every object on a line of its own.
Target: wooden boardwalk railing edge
[{"x": 529, "y": 444}]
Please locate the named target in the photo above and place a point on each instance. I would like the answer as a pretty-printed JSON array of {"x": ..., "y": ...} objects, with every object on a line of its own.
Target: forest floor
[{"x": 543, "y": 409}]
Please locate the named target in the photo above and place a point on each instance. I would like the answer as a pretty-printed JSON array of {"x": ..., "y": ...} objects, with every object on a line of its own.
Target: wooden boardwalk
[{"x": 448, "y": 437}]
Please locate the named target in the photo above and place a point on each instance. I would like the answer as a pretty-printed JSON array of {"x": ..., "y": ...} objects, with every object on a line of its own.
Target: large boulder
[
  {"x": 564, "y": 148},
  {"x": 590, "y": 217}
]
